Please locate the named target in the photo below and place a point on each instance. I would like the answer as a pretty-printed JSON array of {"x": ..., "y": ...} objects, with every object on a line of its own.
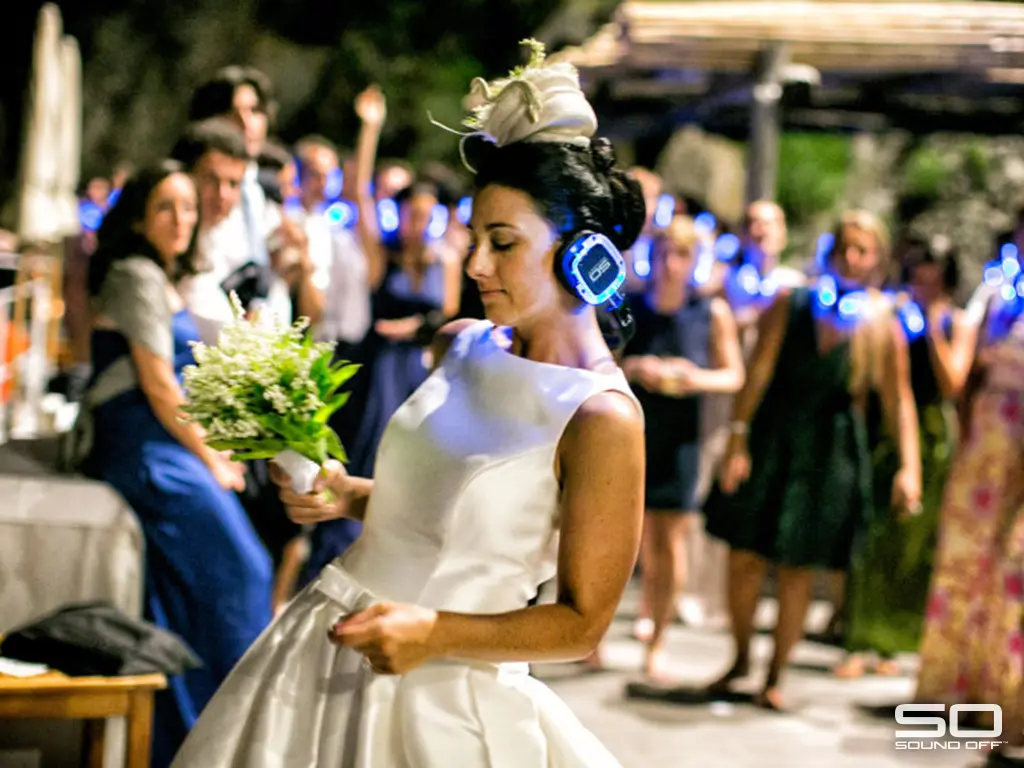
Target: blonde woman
[
  {"x": 795, "y": 481},
  {"x": 685, "y": 346}
]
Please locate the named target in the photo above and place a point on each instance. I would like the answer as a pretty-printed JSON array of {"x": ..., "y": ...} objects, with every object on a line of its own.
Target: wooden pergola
[{"x": 750, "y": 69}]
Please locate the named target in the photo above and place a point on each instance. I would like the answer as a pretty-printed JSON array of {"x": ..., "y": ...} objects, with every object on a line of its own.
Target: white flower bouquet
[{"x": 266, "y": 391}]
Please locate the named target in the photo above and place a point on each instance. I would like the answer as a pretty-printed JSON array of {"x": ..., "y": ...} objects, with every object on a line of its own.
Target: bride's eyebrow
[{"x": 499, "y": 225}]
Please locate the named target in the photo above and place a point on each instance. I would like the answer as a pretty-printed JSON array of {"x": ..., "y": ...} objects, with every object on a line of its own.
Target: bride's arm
[
  {"x": 601, "y": 462},
  {"x": 602, "y": 476}
]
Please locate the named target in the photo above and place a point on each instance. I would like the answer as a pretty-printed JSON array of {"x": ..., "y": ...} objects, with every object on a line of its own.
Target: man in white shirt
[
  {"x": 252, "y": 237},
  {"x": 339, "y": 302}
]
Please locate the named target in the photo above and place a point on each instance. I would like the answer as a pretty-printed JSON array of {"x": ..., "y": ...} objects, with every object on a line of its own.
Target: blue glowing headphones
[{"x": 591, "y": 268}]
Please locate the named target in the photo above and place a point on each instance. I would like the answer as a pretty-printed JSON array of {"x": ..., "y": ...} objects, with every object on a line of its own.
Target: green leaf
[
  {"x": 342, "y": 372},
  {"x": 334, "y": 446},
  {"x": 254, "y": 455},
  {"x": 324, "y": 412}
]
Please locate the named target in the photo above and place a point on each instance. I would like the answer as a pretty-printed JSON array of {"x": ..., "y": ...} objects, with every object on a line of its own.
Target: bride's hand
[
  {"x": 393, "y": 637},
  {"x": 327, "y": 501}
]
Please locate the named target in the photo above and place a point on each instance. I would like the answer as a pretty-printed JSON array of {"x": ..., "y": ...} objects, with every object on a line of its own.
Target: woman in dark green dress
[
  {"x": 794, "y": 487},
  {"x": 888, "y": 588}
]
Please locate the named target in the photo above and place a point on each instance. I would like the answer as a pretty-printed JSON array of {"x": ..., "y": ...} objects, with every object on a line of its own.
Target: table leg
[
  {"x": 140, "y": 729},
  {"x": 95, "y": 741}
]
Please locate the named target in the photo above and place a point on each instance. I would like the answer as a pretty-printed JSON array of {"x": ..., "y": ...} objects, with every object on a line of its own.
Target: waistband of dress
[{"x": 344, "y": 589}]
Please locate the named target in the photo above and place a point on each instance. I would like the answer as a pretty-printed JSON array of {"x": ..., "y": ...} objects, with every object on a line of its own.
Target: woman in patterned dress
[{"x": 973, "y": 649}]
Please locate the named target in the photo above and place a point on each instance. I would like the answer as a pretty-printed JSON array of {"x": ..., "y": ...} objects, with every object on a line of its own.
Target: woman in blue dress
[{"x": 208, "y": 577}]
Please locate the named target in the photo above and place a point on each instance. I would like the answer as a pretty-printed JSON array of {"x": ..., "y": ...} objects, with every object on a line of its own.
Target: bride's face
[{"x": 512, "y": 248}]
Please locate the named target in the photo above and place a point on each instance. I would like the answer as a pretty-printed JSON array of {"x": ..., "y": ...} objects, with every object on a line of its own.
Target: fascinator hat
[{"x": 537, "y": 102}]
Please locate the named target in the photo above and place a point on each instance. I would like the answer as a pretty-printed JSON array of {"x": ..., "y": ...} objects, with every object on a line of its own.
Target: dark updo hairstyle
[
  {"x": 918, "y": 252},
  {"x": 576, "y": 188},
  {"x": 117, "y": 238}
]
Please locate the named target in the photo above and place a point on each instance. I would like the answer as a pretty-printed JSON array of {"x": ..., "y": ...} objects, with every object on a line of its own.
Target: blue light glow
[
  {"x": 90, "y": 215},
  {"x": 465, "y": 210},
  {"x": 823, "y": 250},
  {"x": 641, "y": 253},
  {"x": 335, "y": 181},
  {"x": 438, "y": 222},
  {"x": 912, "y": 319},
  {"x": 1011, "y": 267},
  {"x": 705, "y": 264},
  {"x": 664, "y": 211},
  {"x": 572, "y": 264},
  {"x": 342, "y": 214},
  {"x": 1009, "y": 251},
  {"x": 726, "y": 247},
  {"x": 748, "y": 280},
  {"x": 387, "y": 215},
  {"x": 827, "y": 292},
  {"x": 705, "y": 223}
]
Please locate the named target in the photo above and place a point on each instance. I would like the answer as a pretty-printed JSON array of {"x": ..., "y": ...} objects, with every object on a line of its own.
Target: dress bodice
[{"x": 465, "y": 508}]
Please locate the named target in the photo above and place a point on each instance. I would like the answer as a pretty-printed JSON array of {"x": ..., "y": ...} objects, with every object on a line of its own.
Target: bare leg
[
  {"x": 746, "y": 577},
  {"x": 795, "y": 585},
  {"x": 643, "y": 627},
  {"x": 665, "y": 533}
]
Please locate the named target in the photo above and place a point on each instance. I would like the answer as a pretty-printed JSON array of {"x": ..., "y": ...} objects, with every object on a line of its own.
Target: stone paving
[{"x": 827, "y": 727}]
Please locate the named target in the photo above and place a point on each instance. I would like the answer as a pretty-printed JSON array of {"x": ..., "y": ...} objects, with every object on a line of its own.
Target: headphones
[{"x": 591, "y": 268}]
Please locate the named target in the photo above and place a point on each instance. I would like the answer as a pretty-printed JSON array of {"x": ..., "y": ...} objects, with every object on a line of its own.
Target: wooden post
[{"x": 765, "y": 123}]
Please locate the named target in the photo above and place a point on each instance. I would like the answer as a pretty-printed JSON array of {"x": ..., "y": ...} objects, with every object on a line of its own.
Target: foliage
[
  {"x": 812, "y": 174},
  {"x": 265, "y": 389}
]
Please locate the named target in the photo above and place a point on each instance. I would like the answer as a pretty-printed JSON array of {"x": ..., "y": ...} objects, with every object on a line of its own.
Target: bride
[{"x": 519, "y": 459}]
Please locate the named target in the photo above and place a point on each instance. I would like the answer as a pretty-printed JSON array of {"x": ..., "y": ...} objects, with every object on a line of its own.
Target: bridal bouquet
[{"x": 266, "y": 391}]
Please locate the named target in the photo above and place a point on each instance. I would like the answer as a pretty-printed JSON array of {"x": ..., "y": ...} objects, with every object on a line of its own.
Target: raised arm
[
  {"x": 602, "y": 517},
  {"x": 372, "y": 110}
]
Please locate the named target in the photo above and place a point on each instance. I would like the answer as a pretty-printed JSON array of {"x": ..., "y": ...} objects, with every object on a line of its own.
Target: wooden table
[{"x": 55, "y": 696}]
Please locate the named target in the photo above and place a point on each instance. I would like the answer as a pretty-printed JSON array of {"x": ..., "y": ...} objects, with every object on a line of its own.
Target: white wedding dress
[{"x": 463, "y": 517}]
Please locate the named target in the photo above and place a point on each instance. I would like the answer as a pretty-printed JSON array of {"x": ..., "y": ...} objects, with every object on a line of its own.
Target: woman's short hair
[
  {"x": 576, "y": 188},
  {"x": 118, "y": 238}
]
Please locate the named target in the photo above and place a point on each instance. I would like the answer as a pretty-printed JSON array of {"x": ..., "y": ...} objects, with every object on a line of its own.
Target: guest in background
[
  {"x": 685, "y": 346},
  {"x": 207, "y": 575},
  {"x": 889, "y": 581},
  {"x": 972, "y": 649},
  {"x": 253, "y": 237},
  {"x": 794, "y": 487}
]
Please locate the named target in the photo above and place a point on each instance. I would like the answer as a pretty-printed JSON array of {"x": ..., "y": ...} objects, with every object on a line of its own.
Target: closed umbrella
[{"x": 38, "y": 220}]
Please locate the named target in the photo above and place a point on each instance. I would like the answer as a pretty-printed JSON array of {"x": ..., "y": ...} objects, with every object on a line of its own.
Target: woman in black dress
[{"x": 685, "y": 346}]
